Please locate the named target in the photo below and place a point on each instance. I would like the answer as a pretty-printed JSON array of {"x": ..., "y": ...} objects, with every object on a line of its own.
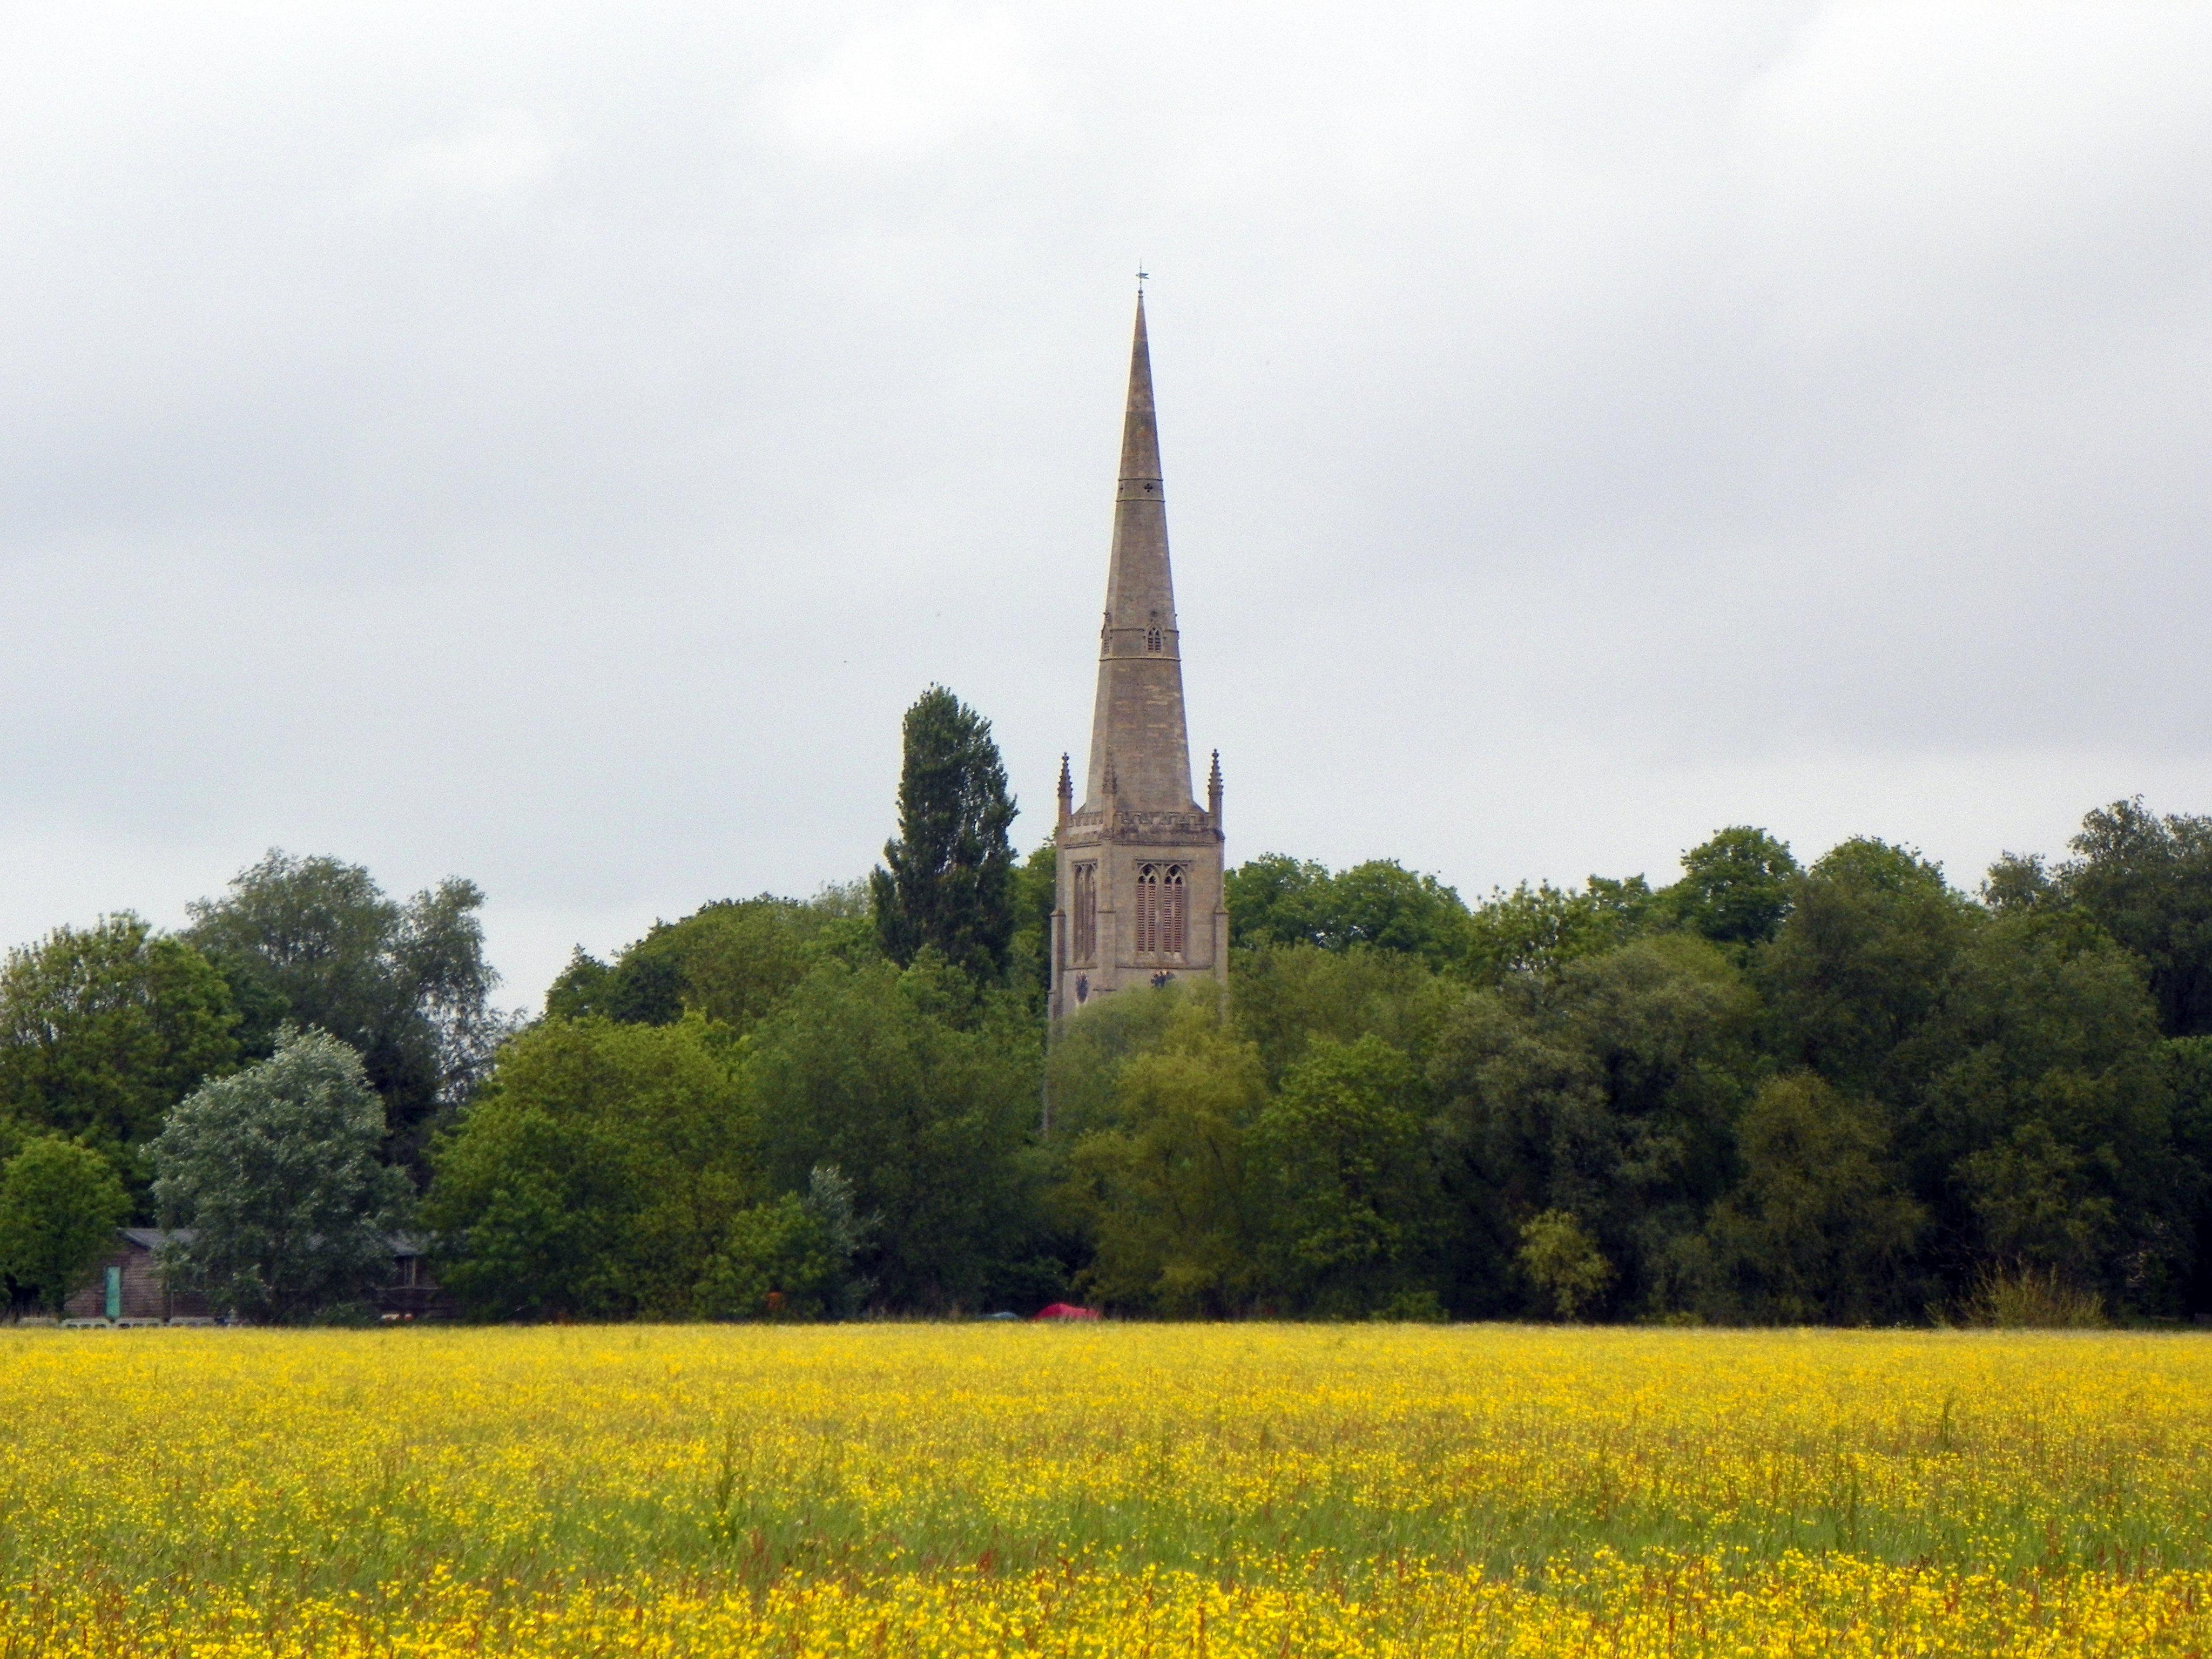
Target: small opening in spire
[{"x": 1153, "y": 639}]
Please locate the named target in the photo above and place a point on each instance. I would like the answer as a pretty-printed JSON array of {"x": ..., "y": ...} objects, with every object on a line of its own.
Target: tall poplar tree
[{"x": 950, "y": 876}]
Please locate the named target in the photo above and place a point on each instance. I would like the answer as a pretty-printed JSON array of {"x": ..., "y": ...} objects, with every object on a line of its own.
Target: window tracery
[
  {"x": 1161, "y": 909},
  {"x": 1084, "y": 945}
]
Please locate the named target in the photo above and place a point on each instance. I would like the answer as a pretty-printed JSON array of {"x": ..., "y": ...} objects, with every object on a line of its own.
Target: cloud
[
  {"x": 902, "y": 88},
  {"x": 554, "y": 444},
  {"x": 496, "y": 155}
]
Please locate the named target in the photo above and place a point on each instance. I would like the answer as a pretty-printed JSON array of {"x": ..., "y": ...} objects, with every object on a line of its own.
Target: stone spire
[
  {"x": 1137, "y": 730},
  {"x": 1137, "y": 894}
]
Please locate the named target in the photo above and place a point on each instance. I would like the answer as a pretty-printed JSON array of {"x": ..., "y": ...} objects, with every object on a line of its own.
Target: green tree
[
  {"x": 731, "y": 961},
  {"x": 2187, "y": 1065},
  {"x": 102, "y": 1030},
  {"x": 1860, "y": 963},
  {"x": 276, "y": 1172},
  {"x": 314, "y": 942},
  {"x": 2147, "y": 882},
  {"x": 1286, "y": 996},
  {"x": 1608, "y": 1090},
  {"x": 923, "y": 1092},
  {"x": 1274, "y": 900},
  {"x": 1563, "y": 1261},
  {"x": 949, "y": 881},
  {"x": 1736, "y": 888},
  {"x": 1537, "y": 930},
  {"x": 2034, "y": 1205},
  {"x": 1820, "y": 1228},
  {"x": 2043, "y": 1132},
  {"x": 1165, "y": 1189},
  {"x": 2013, "y": 1052},
  {"x": 1351, "y": 1187},
  {"x": 599, "y": 1167},
  {"x": 1084, "y": 1067},
  {"x": 60, "y": 1204},
  {"x": 789, "y": 1258},
  {"x": 1029, "y": 953}
]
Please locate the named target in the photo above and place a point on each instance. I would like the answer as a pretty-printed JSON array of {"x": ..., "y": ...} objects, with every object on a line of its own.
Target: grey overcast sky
[{"x": 553, "y": 444}]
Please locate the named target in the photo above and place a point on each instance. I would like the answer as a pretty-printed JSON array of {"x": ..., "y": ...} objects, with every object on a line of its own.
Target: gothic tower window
[
  {"x": 1152, "y": 640},
  {"x": 1160, "y": 909},
  {"x": 1086, "y": 912}
]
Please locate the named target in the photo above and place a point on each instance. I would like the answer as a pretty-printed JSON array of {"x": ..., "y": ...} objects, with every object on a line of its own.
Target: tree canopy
[
  {"x": 103, "y": 1029},
  {"x": 60, "y": 1204},
  {"x": 273, "y": 1177},
  {"x": 947, "y": 879},
  {"x": 314, "y": 942}
]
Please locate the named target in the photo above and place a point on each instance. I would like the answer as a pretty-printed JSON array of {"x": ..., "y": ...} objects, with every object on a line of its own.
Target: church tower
[{"x": 1138, "y": 898}]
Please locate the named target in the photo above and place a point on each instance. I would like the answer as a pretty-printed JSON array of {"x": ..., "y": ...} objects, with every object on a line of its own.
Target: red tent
[{"x": 1067, "y": 1310}]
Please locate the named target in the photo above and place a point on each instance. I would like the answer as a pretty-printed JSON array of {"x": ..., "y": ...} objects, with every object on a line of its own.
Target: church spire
[
  {"x": 1137, "y": 724},
  {"x": 1137, "y": 872}
]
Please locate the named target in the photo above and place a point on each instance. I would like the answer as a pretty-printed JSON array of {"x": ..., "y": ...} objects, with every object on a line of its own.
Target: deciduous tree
[
  {"x": 2147, "y": 880},
  {"x": 1563, "y": 1261},
  {"x": 314, "y": 942},
  {"x": 924, "y": 1093},
  {"x": 1350, "y": 1186},
  {"x": 276, "y": 1172},
  {"x": 1165, "y": 1187},
  {"x": 1821, "y": 1229},
  {"x": 60, "y": 1204},
  {"x": 1735, "y": 888},
  {"x": 596, "y": 1173},
  {"x": 103, "y": 1028}
]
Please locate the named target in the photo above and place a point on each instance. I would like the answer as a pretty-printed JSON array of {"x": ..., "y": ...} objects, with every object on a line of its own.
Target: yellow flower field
[{"x": 1165, "y": 1490}]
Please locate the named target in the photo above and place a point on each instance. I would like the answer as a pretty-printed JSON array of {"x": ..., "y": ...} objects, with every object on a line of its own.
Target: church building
[{"x": 1138, "y": 898}]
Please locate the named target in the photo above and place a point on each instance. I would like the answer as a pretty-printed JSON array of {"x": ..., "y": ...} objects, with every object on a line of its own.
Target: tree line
[{"x": 1840, "y": 1092}]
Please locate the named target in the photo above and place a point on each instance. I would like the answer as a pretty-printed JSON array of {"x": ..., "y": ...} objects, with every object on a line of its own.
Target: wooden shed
[{"x": 130, "y": 1286}]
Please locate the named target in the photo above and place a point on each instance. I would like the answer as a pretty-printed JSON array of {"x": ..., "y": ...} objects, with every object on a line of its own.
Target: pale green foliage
[
  {"x": 1285, "y": 997},
  {"x": 2018, "y": 1296},
  {"x": 1380, "y": 904},
  {"x": 1165, "y": 1186},
  {"x": 1563, "y": 1261},
  {"x": 1090, "y": 1050},
  {"x": 60, "y": 1204},
  {"x": 1535, "y": 930},
  {"x": 1350, "y": 1188},
  {"x": 790, "y": 1257},
  {"x": 732, "y": 961},
  {"x": 276, "y": 1170},
  {"x": 315, "y": 943}
]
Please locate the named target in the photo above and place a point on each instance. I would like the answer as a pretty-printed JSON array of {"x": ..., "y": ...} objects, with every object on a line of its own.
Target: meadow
[{"x": 1167, "y": 1490}]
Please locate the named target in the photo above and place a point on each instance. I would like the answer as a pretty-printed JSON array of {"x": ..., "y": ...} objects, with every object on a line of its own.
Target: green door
[{"x": 115, "y": 1292}]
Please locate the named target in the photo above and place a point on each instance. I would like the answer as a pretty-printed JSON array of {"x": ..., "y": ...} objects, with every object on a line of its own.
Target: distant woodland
[{"x": 1834, "y": 1088}]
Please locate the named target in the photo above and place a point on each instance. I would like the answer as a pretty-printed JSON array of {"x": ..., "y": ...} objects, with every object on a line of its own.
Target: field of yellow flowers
[{"x": 1102, "y": 1490}]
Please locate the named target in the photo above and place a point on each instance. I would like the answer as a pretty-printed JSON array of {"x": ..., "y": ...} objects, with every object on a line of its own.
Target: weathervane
[{"x": 1141, "y": 275}]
